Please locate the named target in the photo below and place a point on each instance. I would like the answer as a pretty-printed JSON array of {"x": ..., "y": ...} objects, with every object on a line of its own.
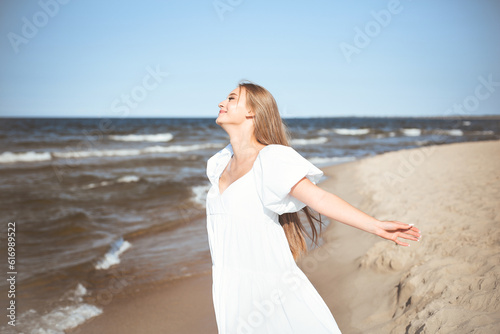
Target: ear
[{"x": 250, "y": 114}]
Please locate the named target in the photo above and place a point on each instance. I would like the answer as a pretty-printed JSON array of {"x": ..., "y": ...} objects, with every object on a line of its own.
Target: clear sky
[{"x": 89, "y": 58}]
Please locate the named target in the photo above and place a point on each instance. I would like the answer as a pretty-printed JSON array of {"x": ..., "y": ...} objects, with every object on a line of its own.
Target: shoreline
[
  {"x": 183, "y": 306},
  {"x": 370, "y": 285}
]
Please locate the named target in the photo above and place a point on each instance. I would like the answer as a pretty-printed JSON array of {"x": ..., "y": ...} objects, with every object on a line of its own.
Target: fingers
[
  {"x": 409, "y": 236},
  {"x": 413, "y": 228},
  {"x": 407, "y": 228},
  {"x": 401, "y": 243},
  {"x": 396, "y": 229},
  {"x": 412, "y": 233},
  {"x": 405, "y": 235}
]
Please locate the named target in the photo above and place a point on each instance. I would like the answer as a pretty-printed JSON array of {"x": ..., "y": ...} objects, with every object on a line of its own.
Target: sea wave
[
  {"x": 58, "y": 320},
  {"x": 123, "y": 179},
  {"x": 351, "y": 132},
  {"x": 128, "y": 179},
  {"x": 345, "y": 132},
  {"x": 325, "y": 161},
  {"x": 200, "y": 194},
  {"x": 452, "y": 132},
  {"x": 411, "y": 132},
  {"x": 485, "y": 132},
  {"x": 95, "y": 185},
  {"x": 385, "y": 134},
  {"x": 159, "y": 137},
  {"x": 112, "y": 257},
  {"x": 311, "y": 141},
  {"x": 131, "y": 152},
  {"x": 9, "y": 157}
]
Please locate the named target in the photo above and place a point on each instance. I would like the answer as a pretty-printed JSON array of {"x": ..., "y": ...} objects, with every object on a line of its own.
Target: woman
[{"x": 258, "y": 185}]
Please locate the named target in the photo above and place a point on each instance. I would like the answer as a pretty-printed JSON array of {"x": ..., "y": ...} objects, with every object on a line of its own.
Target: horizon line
[{"x": 488, "y": 116}]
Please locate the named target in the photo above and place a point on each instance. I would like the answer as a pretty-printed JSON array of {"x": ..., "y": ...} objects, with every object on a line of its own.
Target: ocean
[{"x": 103, "y": 207}]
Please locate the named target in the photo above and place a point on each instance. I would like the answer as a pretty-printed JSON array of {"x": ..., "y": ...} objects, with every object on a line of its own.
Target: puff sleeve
[{"x": 279, "y": 168}]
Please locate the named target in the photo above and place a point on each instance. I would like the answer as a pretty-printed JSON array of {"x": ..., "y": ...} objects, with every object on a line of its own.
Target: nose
[{"x": 221, "y": 105}]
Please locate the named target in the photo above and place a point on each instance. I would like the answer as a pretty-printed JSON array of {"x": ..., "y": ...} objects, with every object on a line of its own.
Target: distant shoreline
[{"x": 444, "y": 117}]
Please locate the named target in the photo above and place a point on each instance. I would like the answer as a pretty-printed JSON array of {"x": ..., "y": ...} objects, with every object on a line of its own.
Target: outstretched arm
[{"x": 336, "y": 208}]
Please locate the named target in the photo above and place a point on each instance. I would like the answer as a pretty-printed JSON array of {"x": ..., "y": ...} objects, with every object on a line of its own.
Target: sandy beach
[{"x": 446, "y": 283}]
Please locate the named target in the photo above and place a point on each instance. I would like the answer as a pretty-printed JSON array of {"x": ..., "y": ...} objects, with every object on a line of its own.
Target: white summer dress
[{"x": 257, "y": 286}]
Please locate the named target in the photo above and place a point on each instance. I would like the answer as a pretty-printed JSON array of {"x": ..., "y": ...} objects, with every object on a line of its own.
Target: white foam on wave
[
  {"x": 129, "y": 152},
  {"x": 128, "y": 179},
  {"x": 412, "y": 132},
  {"x": 311, "y": 141},
  {"x": 179, "y": 148},
  {"x": 98, "y": 153},
  {"x": 452, "y": 132},
  {"x": 351, "y": 132},
  {"x": 94, "y": 185},
  {"x": 485, "y": 132},
  {"x": 466, "y": 123},
  {"x": 66, "y": 317},
  {"x": 9, "y": 157},
  {"x": 385, "y": 134},
  {"x": 58, "y": 320},
  {"x": 123, "y": 179},
  {"x": 159, "y": 137},
  {"x": 112, "y": 257},
  {"x": 323, "y": 161},
  {"x": 200, "y": 194}
]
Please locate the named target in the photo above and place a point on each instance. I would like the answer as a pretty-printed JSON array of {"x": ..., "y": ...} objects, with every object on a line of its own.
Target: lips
[{"x": 222, "y": 111}]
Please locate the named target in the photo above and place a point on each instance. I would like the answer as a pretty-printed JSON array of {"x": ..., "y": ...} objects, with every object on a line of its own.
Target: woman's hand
[{"x": 392, "y": 230}]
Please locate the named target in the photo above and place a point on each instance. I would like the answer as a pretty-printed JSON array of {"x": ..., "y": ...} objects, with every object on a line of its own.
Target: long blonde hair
[{"x": 269, "y": 128}]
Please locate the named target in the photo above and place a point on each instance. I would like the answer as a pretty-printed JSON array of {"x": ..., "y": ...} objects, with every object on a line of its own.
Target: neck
[{"x": 243, "y": 142}]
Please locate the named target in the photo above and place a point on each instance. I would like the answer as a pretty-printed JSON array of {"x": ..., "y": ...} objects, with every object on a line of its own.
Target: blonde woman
[{"x": 259, "y": 183}]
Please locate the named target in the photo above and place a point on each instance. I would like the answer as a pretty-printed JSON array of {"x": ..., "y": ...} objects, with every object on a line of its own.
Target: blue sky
[{"x": 180, "y": 58}]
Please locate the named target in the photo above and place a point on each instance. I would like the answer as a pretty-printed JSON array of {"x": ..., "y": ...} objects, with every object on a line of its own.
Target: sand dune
[{"x": 449, "y": 281}]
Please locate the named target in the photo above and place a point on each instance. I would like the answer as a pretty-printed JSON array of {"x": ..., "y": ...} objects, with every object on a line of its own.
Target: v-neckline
[{"x": 241, "y": 177}]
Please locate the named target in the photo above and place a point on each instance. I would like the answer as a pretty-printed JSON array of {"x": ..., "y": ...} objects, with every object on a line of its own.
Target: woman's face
[{"x": 233, "y": 109}]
